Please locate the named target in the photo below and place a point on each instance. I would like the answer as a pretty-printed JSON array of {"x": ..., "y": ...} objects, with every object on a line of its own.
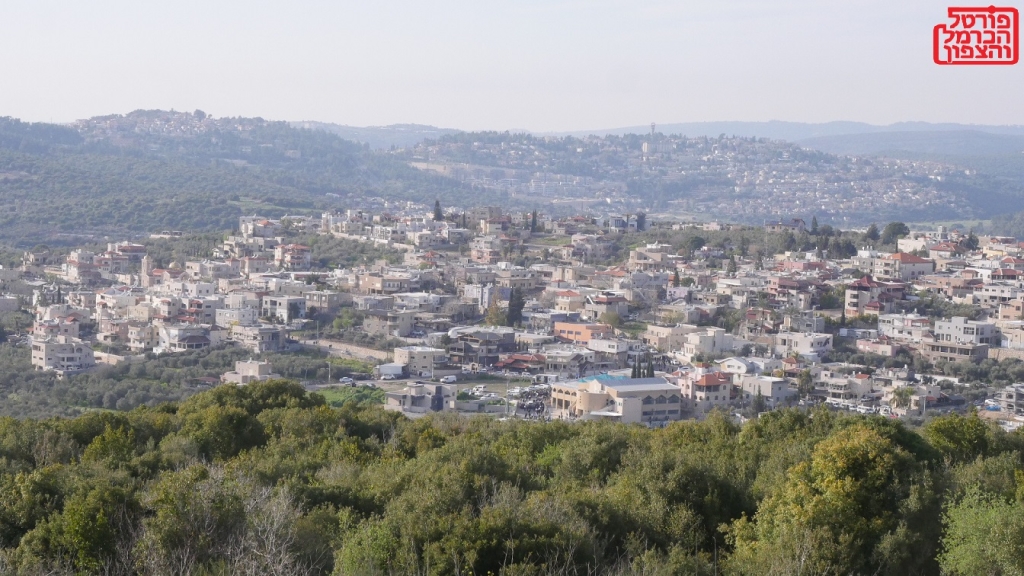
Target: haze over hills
[
  {"x": 852, "y": 138},
  {"x": 791, "y": 131},
  {"x": 153, "y": 170},
  {"x": 734, "y": 179},
  {"x": 840, "y": 137},
  {"x": 380, "y": 137},
  {"x": 952, "y": 142}
]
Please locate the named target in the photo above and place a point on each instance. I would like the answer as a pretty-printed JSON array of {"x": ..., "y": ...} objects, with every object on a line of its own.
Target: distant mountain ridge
[
  {"x": 792, "y": 131},
  {"x": 839, "y": 137},
  {"x": 379, "y": 137},
  {"x": 152, "y": 170},
  {"x": 953, "y": 142}
]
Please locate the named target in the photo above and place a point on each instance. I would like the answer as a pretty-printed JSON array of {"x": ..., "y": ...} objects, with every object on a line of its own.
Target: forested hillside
[
  {"x": 267, "y": 479},
  {"x": 150, "y": 170},
  {"x": 734, "y": 179}
]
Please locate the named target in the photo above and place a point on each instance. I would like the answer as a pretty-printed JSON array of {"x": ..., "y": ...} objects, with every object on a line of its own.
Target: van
[{"x": 448, "y": 379}]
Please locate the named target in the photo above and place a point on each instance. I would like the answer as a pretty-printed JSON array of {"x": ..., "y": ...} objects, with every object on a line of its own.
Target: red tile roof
[{"x": 713, "y": 379}]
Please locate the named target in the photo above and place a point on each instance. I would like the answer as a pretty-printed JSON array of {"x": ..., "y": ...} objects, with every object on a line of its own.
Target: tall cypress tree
[
  {"x": 438, "y": 215},
  {"x": 516, "y": 303}
]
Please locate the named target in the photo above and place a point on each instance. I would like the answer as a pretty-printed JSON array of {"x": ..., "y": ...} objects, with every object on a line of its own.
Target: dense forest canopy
[
  {"x": 158, "y": 379},
  {"x": 269, "y": 479}
]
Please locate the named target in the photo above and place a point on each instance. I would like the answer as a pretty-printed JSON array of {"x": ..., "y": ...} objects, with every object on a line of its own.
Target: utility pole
[{"x": 715, "y": 540}]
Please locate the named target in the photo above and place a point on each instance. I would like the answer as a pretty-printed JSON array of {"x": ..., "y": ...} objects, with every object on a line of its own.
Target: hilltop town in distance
[{"x": 134, "y": 174}]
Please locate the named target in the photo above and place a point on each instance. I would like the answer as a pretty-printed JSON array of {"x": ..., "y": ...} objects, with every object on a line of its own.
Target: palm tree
[{"x": 901, "y": 397}]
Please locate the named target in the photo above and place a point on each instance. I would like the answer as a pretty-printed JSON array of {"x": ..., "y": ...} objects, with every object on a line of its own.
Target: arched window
[
  {"x": 648, "y": 400},
  {"x": 660, "y": 400}
]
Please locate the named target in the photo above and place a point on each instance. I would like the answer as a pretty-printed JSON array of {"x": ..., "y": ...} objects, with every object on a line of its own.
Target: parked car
[
  {"x": 388, "y": 377},
  {"x": 346, "y": 380}
]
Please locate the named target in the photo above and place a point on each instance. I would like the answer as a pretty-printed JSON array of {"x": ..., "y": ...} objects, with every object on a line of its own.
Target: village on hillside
[{"x": 577, "y": 318}]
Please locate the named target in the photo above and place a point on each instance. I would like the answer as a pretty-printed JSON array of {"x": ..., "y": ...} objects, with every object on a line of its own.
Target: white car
[
  {"x": 346, "y": 380},
  {"x": 388, "y": 377}
]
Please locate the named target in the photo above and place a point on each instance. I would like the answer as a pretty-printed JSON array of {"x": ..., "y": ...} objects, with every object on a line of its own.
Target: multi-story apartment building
[
  {"x": 260, "y": 338},
  {"x": 667, "y": 338},
  {"x": 581, "y": 333},
  {"x": 481, "y": 347},
  {"x": 869, "y": 296},
  {"x": 1011, "y": 399},
  {"x": 995, "y": 294},
  {"x": 803, "y": 343},
  {"x": 775, "y": 391},
  {"x": 704, "y": 389},
  {"x": 292, "y": 256},
  {"x": 284, "y": 308},
  {"x": 420, "y": 360},
  {"x": 902, "y": 267},
  {"x": 394, "y": 323},
  {"x": 959, "y": 339},
  {"x": 181, "y": 337},
  {"x": 62, "y": 354},
  {"x": 710, "y": 341},
  {"x": 960, "y": 330},
  {"x": 650, "y": 401},
  {"x": 904, "y": 327}
]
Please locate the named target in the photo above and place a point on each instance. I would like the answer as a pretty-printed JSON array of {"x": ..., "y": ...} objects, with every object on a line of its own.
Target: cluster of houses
[
  {"x": 570, "y": 334},
  {"x": 717, "y": 331},
  {"x": 252, "y": 297}
]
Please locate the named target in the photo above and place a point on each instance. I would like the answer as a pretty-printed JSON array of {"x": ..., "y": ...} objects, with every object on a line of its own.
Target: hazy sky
[{"x": 542, "y": 65}]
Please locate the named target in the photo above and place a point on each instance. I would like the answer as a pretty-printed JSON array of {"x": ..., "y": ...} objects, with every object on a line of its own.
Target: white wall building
[
  {"x": 62, "y": 354},
  {"x": 904, "y": 327},
  {"x": 960, "y": 330},
  {"x": 775, "y": 391}
]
